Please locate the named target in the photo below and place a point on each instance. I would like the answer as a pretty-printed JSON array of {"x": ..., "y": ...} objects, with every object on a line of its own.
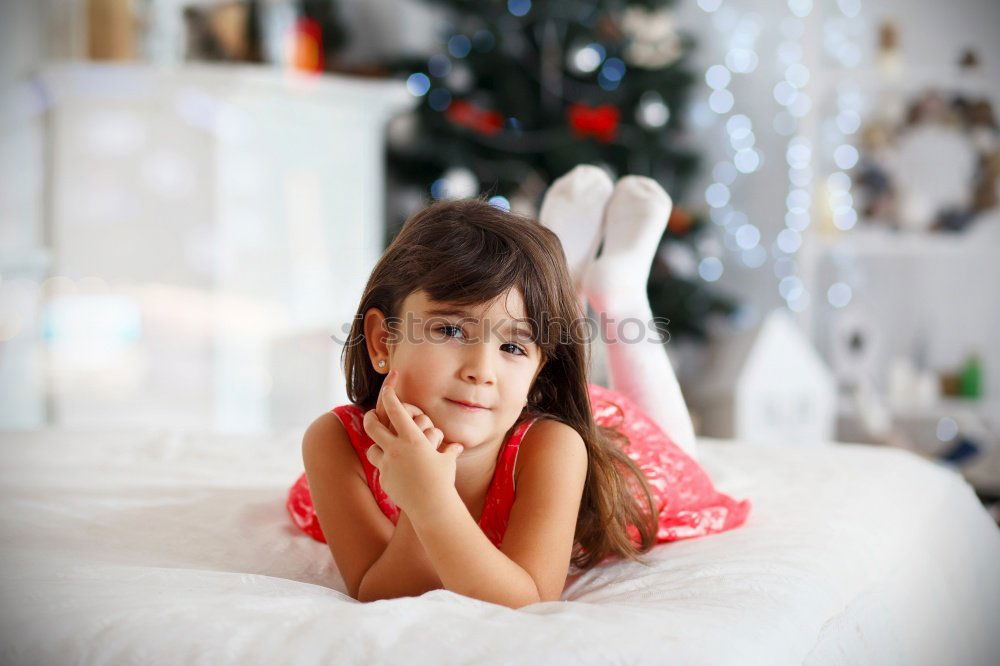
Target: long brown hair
[{"x": 469, "y": 252}]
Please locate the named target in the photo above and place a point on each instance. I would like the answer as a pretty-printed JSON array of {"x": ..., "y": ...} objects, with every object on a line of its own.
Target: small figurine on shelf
[
  {"x": 961, "y": 452},
  {"x": 966, "y": 382},
  {"x": 318, "y": 36},
  {"x": 226, "y": 31},
  {"x": 971, "y": 377}
]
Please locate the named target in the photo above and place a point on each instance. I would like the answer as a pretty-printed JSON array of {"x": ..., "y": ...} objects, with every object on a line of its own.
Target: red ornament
[
  {"x": 307, "y": 52},
  {"x": 600, "y": 122},
  {"x": 680, "y": 221},
  {"x": 465, "y": 113}
]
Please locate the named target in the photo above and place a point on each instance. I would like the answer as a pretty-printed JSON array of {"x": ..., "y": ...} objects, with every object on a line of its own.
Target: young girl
[{"x": 470, "y": 458}]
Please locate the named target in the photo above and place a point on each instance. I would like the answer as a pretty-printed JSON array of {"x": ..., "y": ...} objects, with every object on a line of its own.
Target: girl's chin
[{"x": 454, "y": 432}]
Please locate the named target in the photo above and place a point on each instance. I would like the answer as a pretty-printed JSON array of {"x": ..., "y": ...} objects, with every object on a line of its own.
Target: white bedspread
[{"x": 151, "y": 548}]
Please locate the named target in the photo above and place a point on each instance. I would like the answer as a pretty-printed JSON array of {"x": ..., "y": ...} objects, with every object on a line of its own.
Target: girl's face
[{"x": 448, "y": 355}]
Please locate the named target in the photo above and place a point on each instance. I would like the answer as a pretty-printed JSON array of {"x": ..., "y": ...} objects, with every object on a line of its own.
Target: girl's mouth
[{"x": 466, "y": 406}]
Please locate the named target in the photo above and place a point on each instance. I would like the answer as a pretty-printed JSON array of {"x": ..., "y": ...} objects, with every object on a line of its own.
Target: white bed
[{"x": 123, "y": 547}]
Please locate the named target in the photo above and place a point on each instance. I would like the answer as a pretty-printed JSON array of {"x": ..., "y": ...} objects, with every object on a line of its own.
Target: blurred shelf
[
  {"x": 945, "y": 406},
  {"x": 875, "y": 242},
  {"x": 108, "y": 80},
  {"x": 910, "y": 80}
]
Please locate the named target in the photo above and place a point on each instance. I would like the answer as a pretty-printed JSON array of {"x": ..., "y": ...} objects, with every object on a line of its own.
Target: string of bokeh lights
[{"x": 792, "y": 93}]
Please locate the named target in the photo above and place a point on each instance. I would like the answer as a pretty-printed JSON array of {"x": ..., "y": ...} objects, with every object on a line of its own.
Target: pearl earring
[{"x": 381, "y": 363}]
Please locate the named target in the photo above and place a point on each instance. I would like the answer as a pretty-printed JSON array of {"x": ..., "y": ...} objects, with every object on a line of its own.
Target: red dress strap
[
  {"x": 499, "y": 496},
  {"x": 352, "y": 417},
  {"x": 501, "y": 493}
]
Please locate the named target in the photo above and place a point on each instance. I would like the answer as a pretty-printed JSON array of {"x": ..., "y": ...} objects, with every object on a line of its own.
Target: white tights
[{"x": 582, "y": 207}]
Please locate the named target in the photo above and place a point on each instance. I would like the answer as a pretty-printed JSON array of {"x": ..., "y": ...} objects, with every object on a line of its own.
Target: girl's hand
[
  {"x": 422, "y": 420},
  {"x": 411, "y": 469}
]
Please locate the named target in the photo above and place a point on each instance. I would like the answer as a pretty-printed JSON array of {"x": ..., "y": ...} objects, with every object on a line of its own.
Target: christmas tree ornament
[
  {"x": 651, "y": 112},
  {"x": 600, "y": 122},
  {"x": 586, "y": 58},
  {"x": 466, "y": 114},
  {"x": 652, "y": 39},
  {"x": 459, "y": 79},
  {"x": 401, "y": 130},
  {"x": 682, "y": 223},
  {"x": 458, "y": 183}
]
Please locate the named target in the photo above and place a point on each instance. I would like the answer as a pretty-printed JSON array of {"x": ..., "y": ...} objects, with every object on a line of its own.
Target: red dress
[
  {"x": 499, "y": 496},
  {"x": 687, "y": 504}
]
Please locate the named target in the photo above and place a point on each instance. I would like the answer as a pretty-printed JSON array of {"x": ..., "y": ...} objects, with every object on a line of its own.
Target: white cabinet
[{"x": 200, "y": 221}]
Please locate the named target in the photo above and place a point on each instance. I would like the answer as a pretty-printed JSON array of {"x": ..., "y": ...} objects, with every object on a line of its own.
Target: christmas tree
[{"x": 522, "y": 91}]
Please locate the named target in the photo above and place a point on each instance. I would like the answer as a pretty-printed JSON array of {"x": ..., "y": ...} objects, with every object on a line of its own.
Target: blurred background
[{"x": 192, "y": 195}]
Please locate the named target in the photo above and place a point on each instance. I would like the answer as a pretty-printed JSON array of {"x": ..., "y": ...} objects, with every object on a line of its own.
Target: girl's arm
[
  {"x": 534, "y": 559},
  {"x": 402, "y": 570},
  {"x": 361, "y": 539}
]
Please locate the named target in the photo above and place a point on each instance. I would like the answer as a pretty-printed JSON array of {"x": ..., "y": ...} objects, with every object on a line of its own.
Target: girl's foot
[
  {"x": 635, "y": 220},
  {"x": 573, "y": 208}
]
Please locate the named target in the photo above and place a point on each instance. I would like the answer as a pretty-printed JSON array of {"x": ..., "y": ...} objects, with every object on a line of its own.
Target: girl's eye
[
  {"x": 518, "y": 351},
  {"x": 448, "y": 327}
]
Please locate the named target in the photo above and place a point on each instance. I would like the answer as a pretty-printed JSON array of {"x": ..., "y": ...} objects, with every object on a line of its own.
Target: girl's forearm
[
  {"x": 466, "y": 560},
  {"x": 402, "y": 570}
]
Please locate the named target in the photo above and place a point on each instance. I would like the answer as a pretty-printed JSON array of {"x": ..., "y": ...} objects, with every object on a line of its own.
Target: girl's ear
[{"x": 376, "y": 339}]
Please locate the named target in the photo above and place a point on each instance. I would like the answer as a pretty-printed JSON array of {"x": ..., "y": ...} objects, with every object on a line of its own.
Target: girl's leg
[
  {"x": 615, "y": 284},
  {"x": 574, "y": 209}
]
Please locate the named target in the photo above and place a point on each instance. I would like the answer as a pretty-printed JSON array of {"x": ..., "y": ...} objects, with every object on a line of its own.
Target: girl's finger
[
  {"x": 390, "y": 380},
  {"x": 434, "y": 436},
  {"x": 374, "y": 427},
  {"x": 398, "y": 416},
  {"x": 413, "y": 410},
  {"x": 374, "y": 455},
  {"x": 423, "y": 422}
]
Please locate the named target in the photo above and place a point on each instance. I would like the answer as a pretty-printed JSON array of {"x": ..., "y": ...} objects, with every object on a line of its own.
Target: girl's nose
[{"x": 478, "y": 363}]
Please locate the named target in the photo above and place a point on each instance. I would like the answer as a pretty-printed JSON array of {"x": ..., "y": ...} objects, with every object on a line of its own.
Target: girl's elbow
[
  {"x": 521, "y": 602},
  {"x": 527, "y": 602},
  {"x": 531, "y": 597}
]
